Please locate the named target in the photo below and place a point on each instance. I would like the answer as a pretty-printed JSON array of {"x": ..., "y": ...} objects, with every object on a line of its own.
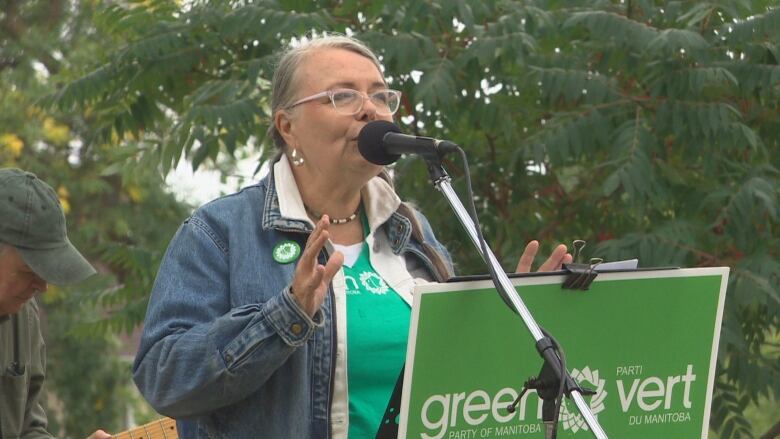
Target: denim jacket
[{"x": 225, "y": 348}]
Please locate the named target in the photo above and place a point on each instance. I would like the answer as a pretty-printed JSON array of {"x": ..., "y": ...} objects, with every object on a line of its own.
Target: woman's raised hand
[
  {"x": 311, "y": 279},
  {"x": 558, "y": 257}
]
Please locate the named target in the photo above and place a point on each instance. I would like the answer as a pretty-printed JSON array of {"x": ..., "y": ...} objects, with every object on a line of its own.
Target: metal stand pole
[{"x": 442, "y": 182}]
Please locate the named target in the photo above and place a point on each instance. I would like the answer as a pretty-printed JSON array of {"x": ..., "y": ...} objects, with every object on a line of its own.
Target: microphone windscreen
[{"x": 370, "y": 142}]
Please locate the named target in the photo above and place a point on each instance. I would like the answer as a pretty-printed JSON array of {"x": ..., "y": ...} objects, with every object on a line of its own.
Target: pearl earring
[{"x": 295, "y": 159}]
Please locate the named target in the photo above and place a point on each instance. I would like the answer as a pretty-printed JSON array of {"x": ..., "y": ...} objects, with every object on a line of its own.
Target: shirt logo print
[
  {"x": 352, "y": 286},
  {"x": 373, "y": 283}
]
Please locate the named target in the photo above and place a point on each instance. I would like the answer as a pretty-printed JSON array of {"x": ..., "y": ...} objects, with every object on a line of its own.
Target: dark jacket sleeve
[{"x": 35, "y": 421}]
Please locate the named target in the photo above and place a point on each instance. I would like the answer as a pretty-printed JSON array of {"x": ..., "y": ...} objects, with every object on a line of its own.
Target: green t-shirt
[{"x": 377, "y": 329}]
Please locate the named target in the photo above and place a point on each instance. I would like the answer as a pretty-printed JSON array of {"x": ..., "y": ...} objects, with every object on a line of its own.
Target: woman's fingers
[
  {"x": 527, "y": 258},
  {"x": 315, "y": 280},
  {"x": 309, "y": 272},
  {"x": 314, "y": 244},
  {"x": 556, "y": 259},
  {"x": 310, "y": 284},
  {"x": 332, "y": 267}
]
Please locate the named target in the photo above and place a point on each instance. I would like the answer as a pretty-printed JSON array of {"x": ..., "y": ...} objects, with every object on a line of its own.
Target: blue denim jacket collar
[{"x": 272, "y": 215}]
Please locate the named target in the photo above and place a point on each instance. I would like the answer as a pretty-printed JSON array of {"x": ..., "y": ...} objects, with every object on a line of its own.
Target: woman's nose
[{"x": 368, "y": 112}]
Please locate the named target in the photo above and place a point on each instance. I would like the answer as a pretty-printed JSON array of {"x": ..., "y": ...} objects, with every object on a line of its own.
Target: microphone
[{"x": 381, "y": 142}]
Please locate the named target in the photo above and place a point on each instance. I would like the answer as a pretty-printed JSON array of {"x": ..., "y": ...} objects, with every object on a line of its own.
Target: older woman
[{"x": 282, "y": 311}]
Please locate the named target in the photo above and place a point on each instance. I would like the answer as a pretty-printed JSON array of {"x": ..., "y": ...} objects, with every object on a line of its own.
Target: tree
[
  {"x": 646, "y": 128},
  {"x": 120, "y": 218}
]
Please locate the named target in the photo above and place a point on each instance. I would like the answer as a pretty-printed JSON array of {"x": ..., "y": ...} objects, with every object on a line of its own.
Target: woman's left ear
[{"x": 284, "y": 127}]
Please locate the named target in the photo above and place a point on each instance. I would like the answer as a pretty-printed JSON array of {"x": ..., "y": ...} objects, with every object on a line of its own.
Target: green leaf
[
  {"x": 757, "y": 27},
  {"x": 437, "y": 85},
  {"x": 677, "y": 40},
  {"x": 613, "y": 27}
]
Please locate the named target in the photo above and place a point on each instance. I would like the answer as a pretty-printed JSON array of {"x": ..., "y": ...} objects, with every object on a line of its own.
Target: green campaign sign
[{"x": 645, "y": 341}]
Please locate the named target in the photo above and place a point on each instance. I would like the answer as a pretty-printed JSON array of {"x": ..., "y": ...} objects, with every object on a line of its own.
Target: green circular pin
[{"x": 286, "y": 252}]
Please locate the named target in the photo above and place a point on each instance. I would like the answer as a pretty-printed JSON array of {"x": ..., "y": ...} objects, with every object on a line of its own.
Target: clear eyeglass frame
[{"x": 345, "y": 100}]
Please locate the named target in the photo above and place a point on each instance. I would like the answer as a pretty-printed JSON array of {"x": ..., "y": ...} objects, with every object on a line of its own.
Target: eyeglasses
[{"x": 349, "y": 102}]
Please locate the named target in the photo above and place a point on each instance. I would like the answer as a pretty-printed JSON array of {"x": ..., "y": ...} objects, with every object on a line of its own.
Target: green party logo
[
  {"x": 286, "y": 252},
  {"x": 373, "y": 283},
  {"x": 573, "y": 420}
]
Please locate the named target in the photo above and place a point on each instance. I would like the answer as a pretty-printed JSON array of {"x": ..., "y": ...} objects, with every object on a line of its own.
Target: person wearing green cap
[{"x": 34, "y": 251}]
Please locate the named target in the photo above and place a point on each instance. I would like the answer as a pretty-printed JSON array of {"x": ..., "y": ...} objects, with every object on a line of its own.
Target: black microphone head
[{"x": 370, "y": 142}]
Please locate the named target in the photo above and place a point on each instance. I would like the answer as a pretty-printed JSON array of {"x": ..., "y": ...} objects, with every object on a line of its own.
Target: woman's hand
[
  {"x": 558, "y": 257},
  {"x": 311, "y": 280}
]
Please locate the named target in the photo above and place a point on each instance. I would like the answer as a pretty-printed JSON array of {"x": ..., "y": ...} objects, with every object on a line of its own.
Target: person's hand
[
  {"x": 311, "y": 279},
  {"x": 558, "y": 257},
  {"x": 99, "y": 434}
]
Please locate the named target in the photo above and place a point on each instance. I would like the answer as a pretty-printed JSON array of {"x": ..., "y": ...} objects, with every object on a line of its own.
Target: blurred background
[{"x": 650, "y": 129}]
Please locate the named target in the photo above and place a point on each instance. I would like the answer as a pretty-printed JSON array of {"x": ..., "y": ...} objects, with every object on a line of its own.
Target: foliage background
[
  {"x": 648, "y": 128},
  {"x": 121, "y": 219}
]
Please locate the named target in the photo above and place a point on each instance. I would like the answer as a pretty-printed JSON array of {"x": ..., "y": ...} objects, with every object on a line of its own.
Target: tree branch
[
  {"x": 6, "y": 63},
  {"x": 710, "y": 260},
  {"x": 12, "y": 24},
  {"x": 491, "y": 140},
  {"x": 772, "y": 432}
]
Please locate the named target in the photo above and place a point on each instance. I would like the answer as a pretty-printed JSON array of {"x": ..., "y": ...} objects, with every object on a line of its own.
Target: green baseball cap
[{"x": 31, "y": 220}]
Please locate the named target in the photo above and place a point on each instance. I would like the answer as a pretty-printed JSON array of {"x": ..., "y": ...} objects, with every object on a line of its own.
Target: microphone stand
[{"x": 551, "y": 370}]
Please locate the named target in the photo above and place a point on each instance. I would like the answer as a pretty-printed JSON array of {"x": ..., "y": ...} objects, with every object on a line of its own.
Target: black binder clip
[
  {"x": 580, "y": 275},
  {"x": 578, "y": 245}
]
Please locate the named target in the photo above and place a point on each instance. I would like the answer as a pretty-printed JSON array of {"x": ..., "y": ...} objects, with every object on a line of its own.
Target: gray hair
[{"x": 284, "y": 83}]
